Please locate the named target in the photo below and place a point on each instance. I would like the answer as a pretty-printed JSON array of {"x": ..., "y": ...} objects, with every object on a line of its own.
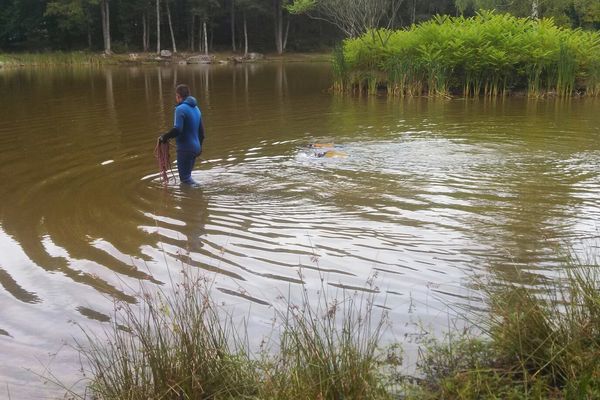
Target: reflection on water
[{"x": 428, "y": 192}]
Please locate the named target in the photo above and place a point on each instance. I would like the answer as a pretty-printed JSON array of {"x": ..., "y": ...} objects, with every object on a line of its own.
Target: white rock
[{"x": 201, "y": 59}]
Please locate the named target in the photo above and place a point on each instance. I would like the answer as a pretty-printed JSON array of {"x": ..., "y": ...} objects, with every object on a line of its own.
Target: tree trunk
[
  {"x": 148, "y": 31},
  {"x": 278, "y": 18},
  {"x": 535, "y": 9},
  {"x": 200, "y": 40},
  {"x": 205, "y": 38},
  {"x": 233, "y": 46},
  {"x": 158, "y": 27},
  {"x": 171, "y": 27},
  {"x": 413, "y": 16},
  {"x": 145, "y": 32},
  {"x": 105, "y": 11},
  {"x": 245, "y": 36},
  {"x": 88, "y": 19},
  {"x": 192, "y": 42},
  {"x": 287, "y": 32},
  {"x": 144, "y": 27},
  {"x": 109, "y": 51}
]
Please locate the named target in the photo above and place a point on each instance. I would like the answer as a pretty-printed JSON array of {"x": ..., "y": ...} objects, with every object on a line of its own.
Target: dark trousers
[{"x": 185, "y": 165}]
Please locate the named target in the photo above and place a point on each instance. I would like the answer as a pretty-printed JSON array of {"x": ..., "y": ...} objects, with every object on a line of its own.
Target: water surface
[{"x": 429, "y": 193}]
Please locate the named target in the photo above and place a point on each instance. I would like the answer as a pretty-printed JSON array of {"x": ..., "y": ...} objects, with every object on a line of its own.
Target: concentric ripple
[{"x": 426, "y": 194}]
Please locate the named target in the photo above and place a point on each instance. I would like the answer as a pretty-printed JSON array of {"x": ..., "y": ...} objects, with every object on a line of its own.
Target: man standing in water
[{"x": 188, "y": 130}]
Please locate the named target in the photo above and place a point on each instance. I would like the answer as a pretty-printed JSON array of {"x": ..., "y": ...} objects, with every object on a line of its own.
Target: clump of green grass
[
  {"x": 541, "y": 342},
  {"x": 329, "y": 348},
  {"x": 486, "y": 55},
  {"x": 184, "y": 346},
  {"x": 170, "y": 347}
]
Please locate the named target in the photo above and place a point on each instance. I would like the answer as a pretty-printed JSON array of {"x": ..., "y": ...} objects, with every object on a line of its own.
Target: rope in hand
[{"x": 161, "y": 153}]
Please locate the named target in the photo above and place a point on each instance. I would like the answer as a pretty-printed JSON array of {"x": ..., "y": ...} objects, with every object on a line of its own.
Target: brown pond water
[{"x": 429, "y": 193}]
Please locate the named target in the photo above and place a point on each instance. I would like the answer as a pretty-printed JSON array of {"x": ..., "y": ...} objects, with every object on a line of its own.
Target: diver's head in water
[{"x": 331, "y": 154}]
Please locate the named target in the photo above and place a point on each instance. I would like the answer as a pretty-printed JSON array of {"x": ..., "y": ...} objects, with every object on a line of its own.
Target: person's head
[{"x": 181, "y": 93}]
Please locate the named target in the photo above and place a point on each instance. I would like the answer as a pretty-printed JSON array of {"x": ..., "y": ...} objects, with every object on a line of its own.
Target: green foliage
[
  {"x": 553, "y": 333},
  {"x": 540, "y": 342},
  {"x": 71, "y": 13},
  {"x": 588, "y": 11},
  {"x": 301, "y": 6},
  {"x": 463, "y": 367},
  {"x": 489, "y": 54},
  {"x": 340, "y": 68},
  {"x": 50, "y": 25},
  {"x": 21, "y": 22},
  {"x": 42, "y": 25}
]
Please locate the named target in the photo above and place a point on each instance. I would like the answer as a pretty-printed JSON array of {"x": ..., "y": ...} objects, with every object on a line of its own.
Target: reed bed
[
  {"x": 489, "y": 55},
  {"x": 183, "y": 345},
  {"x": 169, "y": 347}
]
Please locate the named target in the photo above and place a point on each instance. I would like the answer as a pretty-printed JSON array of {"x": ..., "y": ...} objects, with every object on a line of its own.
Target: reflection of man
[
  {"x": 188, "y": 130},
  {"x": 190, "y": 207}
]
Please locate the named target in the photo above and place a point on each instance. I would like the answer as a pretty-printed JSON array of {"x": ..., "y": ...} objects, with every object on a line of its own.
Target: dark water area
[{"x": 425, "y": 193}]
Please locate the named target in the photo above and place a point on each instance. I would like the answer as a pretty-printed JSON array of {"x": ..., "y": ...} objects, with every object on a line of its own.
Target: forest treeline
[{"x": 240, "y": 25}]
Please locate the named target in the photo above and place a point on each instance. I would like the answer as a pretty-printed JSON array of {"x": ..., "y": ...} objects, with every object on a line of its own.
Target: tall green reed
[
  {"x": 487, "y": 55},
  {"x": 178, "y": 346},
  {"x": 329, "y": 348},
  {"x": 340, "y": 69},
  {"x": 566, "y": 70}
]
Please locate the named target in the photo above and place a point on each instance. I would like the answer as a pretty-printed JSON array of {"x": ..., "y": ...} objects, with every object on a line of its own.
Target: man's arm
[
  {"x": 177, "y": 127},
  {"x": 166, "y": 136}
]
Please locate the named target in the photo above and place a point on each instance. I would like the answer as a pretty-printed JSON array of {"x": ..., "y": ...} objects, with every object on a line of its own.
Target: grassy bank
[
  {"x": 87, "y": 58},
  {"x": 538, "y": 342},
  {"x": 52, "y": 58},
  {"x": 185, "y": 346},
  {"x": 489, "y": 55}
]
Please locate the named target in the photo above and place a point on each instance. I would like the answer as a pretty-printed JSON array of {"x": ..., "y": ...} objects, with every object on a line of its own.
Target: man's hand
[{"x": 164, "y": 138}]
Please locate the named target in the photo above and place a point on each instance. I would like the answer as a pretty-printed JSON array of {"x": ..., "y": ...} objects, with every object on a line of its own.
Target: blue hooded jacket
[{"x": 187, "y": 122}]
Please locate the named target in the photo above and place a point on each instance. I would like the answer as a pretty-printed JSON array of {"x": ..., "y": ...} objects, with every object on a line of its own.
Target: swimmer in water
[
  {"x": 332, "y": 154},
  {"x": 320, "y": 145},
  {"x": 327, "y": 150}
]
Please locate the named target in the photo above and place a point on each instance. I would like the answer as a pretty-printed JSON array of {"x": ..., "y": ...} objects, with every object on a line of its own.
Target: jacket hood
[{"x": 190, "y": 101}]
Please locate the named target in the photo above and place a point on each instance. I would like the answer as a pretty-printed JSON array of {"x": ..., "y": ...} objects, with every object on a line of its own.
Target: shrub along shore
[
  {"x": 534, "y": 342},
  {"x": 486, "y": 55}
]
